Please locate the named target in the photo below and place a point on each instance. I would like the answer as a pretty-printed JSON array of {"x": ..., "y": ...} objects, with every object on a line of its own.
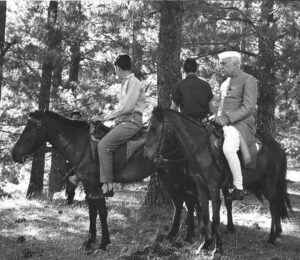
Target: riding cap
[{"x": 229, "y": 54}]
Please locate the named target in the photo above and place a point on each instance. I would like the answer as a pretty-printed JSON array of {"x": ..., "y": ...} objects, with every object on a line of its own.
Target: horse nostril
[{"x": 25, "y": 158}]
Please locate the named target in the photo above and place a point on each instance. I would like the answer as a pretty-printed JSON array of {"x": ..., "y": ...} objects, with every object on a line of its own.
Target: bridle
[
  {"x": 38, "y": 123},
  {"x": 26, "y": 157}
]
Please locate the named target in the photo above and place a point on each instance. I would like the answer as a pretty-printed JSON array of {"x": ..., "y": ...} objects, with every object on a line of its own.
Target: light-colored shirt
[{"x": 132, "y": 97}]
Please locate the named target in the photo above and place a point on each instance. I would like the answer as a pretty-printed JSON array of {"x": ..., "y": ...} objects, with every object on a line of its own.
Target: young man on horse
[
  {"x": 128, "y": 117},
  {"x": 236, "y": 114},
  {"x": 192, "y": 95}
]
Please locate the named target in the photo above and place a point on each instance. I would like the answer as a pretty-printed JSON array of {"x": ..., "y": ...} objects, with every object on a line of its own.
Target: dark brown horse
[
  {"x": 72, "y": 139},
  {"x": 268, "y": 179}
]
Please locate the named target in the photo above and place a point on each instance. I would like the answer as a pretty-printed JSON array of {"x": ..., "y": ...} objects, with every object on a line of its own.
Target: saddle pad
[{"x": 124, "y": 153}]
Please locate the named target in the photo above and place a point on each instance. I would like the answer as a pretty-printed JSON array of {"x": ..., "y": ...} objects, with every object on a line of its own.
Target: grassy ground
[{"x": 38, "y": 229}]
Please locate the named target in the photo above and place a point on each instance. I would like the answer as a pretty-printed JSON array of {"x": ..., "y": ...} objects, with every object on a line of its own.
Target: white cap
[{"x": 229, "y": 54}]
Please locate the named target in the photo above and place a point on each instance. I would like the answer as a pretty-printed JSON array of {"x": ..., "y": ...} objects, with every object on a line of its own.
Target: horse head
[
  {"x": 155, "y": 135},
  {"x": 31, "y": 138}
]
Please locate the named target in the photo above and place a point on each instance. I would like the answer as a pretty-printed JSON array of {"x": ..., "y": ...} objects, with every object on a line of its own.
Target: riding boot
[{"x": 237, "y": 194}]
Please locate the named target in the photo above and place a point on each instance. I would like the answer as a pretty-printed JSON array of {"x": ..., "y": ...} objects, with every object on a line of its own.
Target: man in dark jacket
[{"x": 192, "y": 95}]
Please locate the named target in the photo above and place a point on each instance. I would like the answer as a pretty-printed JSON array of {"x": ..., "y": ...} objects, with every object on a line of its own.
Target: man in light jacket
[{"x": 236, "y": 114}]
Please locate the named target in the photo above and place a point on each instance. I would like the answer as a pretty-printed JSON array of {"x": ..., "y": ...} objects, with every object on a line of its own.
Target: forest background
[{"x": 58, "y": 55}]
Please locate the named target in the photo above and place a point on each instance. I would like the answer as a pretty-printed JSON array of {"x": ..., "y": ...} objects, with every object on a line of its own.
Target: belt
[{"x": 137, "y": 112}]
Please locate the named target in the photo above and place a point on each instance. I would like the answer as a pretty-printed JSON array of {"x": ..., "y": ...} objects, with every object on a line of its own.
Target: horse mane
[
  {"x": 159, "y": 113},
  {"x": 79, "y": 124}
]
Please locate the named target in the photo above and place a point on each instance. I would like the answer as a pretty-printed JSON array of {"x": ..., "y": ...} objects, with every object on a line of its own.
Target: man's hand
[
  {"x": 98, "y": 118},
  {"x": 222, "y": 120}
]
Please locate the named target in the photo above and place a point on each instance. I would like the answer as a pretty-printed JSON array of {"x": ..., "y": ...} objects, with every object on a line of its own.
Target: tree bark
[
  {"x": 35, "y": 187},
  {"x": 75, "y": 9},
  {"x": 137, "y": 48},
  {"x": 266, "y": 64},
  {"x": 2, "y": 40},
  {"x": 168, "y": 74}
]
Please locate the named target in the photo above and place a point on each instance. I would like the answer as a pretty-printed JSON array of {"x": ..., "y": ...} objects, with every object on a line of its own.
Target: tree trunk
[
  {"x": 57, "y": 172},
  {"x": 137, "y": 48},
  {"x": 74, "y": 66},
  {"x": 2, "y": 40},
  {"x": 75, "y": 9},
  {"x": 58, "y": 68},
  {"x": 35, "y": 187},
  {"x": 266, "y": 64},
  {"x": 168, "y": 74}
]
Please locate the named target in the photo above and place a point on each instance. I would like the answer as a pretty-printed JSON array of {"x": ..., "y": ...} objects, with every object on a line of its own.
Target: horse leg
[
  {"x": 92, "y": 217},
  {"x": 204, "y": 202},
  {"x": 278, "y": 228},
  {"x": 102, "y": 211},
  {"x": 216, "y": 204},
  {"x": 274, "y": 218},
  {"x": 228, "y": 205},
  {"x": 178, "y": 203},
  {"x": 190, "y": 204}
]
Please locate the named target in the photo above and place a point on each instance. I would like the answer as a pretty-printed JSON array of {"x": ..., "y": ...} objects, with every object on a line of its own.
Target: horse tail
[{"x": 282, "y": 194}]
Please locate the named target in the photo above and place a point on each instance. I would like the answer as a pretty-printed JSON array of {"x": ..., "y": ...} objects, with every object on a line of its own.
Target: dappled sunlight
[{"x": 52, "y": 230}]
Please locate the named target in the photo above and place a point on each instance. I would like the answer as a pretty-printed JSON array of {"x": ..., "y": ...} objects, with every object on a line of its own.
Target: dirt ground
[{"x": 38, "y": 229}]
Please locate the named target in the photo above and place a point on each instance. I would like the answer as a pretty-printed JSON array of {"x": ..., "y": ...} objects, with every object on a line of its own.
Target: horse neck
[
  {"x": 66, "y": 139},
  {"x": 191, "y": 137}
]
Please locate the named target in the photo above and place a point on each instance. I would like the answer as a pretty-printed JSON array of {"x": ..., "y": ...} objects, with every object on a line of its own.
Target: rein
[{"x": 158, "y": 157}]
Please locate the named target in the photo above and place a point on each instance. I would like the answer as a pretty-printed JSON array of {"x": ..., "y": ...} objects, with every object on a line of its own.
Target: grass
[{"x": 38, "y": 229}]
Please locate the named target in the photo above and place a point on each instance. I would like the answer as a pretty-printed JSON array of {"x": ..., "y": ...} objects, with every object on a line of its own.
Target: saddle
[
  {"x": 124, "y": 152},
  {"x": 216, "y": 139}
]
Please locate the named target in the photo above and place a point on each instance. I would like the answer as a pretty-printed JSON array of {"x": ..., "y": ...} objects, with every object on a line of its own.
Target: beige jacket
[{"x": 238, "y": 102}]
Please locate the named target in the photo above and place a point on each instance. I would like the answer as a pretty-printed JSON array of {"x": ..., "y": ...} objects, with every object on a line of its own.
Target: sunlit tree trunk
[
  {"x": 168, "y": 74},
  {"x": 266, "y": 64},
  {"x": 37, "y": 171}
]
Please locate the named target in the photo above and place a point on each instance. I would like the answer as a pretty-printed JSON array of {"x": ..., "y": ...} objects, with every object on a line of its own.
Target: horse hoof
[
  {"x": 271, "y": 242},
  {"x": 217, "y": 256},
  {"x": 88, "y": 244},
  {"x": 230, "y": 229},
  {"x": 103, "y": 245}
]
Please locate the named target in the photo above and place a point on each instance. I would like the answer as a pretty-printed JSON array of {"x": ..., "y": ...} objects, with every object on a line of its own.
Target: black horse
[
  {"x": 72, "y": 139},
  {"x": 268, "y": 179}
]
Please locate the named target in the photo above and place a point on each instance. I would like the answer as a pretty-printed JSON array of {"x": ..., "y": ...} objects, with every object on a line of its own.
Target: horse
[
  {"x": 268, "y": 179},
  {"x": 72, "y": 138}
]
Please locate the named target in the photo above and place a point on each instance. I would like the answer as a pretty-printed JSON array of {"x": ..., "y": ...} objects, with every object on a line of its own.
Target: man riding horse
[
  {"x": 236, "y": 114},
  {"x": 193, "y": 95},
  {"x": 128, "y": 117}
]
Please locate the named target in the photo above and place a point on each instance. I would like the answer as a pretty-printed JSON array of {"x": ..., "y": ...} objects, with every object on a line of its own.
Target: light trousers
[
  {"x": 231, "y": 146},
  {"x": 117, "y": 136}
]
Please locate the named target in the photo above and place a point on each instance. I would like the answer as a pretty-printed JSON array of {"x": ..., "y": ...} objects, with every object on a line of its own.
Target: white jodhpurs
[{"x": 231, "y": 146}]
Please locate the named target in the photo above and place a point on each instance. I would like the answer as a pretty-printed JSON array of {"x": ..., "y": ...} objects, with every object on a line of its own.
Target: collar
[
  {"x": 128, "y": 77},
  {"x": 191, "y": 75}
]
